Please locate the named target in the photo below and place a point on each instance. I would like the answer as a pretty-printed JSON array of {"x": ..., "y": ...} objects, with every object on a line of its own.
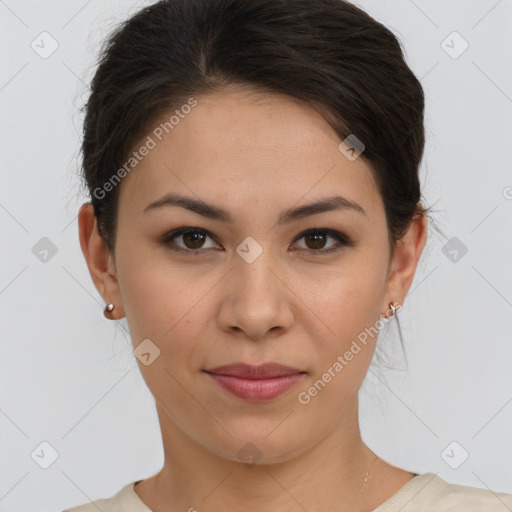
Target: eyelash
[{"x": 342, "y": 239}]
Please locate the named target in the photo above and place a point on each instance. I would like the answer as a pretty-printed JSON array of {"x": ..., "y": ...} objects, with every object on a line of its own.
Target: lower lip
[{"x": 257, "y": 390}]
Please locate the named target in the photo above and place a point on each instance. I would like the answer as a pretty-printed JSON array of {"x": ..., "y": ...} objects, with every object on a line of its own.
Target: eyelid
[
  {"x": 183, "y": 230},
  {"x": 342, "y": 239},
  {"x": 331, "y": 232}
]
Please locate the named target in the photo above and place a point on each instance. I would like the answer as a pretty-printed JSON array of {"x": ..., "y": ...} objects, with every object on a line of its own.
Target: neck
[{"x": 329, "y": 475}]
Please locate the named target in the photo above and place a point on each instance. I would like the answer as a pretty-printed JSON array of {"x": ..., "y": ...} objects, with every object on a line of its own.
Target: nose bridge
[
  {"x": 255, "y": 268},
  {"x": 257, "y": 299}
]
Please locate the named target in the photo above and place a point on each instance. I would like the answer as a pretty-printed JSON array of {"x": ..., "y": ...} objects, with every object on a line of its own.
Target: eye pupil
[{"x": 319, "y": 240}]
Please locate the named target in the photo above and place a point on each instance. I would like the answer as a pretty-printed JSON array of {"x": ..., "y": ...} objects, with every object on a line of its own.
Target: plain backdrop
[{"x": 71, "y": 395}]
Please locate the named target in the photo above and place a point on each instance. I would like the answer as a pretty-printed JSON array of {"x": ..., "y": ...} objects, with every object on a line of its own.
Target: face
[{"x": 253, "y": 285}]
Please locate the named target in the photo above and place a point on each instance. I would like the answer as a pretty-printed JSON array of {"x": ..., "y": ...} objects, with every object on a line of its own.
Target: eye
[
  {"x": 316, "y": 240},
  {"x": 193, "y": 239}
]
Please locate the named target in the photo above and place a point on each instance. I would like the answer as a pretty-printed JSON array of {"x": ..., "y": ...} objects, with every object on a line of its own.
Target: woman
[{"x": 256, "y": 215}]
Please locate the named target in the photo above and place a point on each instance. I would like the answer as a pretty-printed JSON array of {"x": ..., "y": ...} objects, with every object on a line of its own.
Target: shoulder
[
  {"x": 427, "y": 490},
  {"x": 126, "y": 500}
]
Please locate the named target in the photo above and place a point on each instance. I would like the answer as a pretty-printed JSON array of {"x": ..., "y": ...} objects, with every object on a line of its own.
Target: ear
[
  {"x": 405, "y": 260},
  {"x": 99, "y": 260}
]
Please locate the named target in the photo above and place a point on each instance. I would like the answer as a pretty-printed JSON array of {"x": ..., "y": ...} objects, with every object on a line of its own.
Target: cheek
[
  {"x": 350, "y": 307},
  {"x": 160, "y": 307},
  {"x": 168, "y": 306},
  {"x": 347, "y": 301},
  {"x": 155, "y": 296}
]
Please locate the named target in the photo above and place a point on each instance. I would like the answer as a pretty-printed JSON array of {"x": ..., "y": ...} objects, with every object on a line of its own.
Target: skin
[{"x": 254, "y": 155}]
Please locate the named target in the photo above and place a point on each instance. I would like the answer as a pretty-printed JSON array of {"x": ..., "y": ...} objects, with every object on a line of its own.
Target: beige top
[{"x": 423, "y": 493}]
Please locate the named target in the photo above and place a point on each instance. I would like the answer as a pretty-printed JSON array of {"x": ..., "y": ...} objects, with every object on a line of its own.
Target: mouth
[{"x": 256, "y": 383}]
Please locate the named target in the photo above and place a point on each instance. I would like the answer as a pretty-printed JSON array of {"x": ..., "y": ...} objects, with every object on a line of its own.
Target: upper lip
[{"x": 262, "y": 371}]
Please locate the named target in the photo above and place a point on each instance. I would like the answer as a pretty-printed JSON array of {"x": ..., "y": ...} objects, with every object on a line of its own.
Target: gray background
[{"x": 68, "y": 376}]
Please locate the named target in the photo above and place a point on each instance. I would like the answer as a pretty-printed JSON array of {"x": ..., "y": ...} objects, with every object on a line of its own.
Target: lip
[
  {"x": 256, "y": 383},
  {"x": 249, "y": 371}
]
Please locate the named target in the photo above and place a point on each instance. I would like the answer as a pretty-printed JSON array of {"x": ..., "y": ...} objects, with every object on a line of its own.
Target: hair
[{"x": 329, "y": 54}]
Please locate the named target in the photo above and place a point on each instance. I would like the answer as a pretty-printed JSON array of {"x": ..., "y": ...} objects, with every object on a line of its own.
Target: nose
[{"x": 257, "y": 301}]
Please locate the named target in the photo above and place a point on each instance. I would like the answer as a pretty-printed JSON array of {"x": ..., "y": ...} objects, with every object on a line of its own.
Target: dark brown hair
[{"x": 328, "y": 53}]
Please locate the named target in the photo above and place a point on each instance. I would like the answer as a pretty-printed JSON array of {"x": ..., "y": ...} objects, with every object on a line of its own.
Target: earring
[
  {"x": 108, "y": 309},
  {"x": 393, "y": 311}
]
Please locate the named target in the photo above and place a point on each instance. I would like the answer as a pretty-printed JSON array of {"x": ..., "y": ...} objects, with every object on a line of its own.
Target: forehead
[{"x": 240, "y": 146}]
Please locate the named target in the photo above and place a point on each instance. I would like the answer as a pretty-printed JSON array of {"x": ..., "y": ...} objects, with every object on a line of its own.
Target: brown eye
[
  {"x": 316, "y": 240},
  {"x": 193, "y": 239}
]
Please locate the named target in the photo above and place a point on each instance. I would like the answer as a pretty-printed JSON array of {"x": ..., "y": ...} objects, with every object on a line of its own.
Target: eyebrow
[{"x": 214, "y": 212}]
